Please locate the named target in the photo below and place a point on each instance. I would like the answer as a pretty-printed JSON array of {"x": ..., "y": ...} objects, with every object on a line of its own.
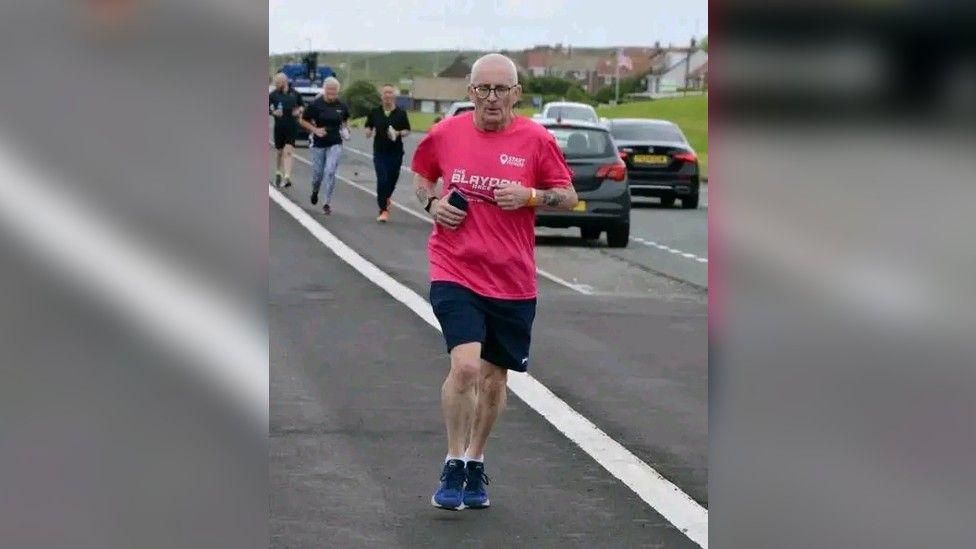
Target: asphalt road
[{"x": 356, "y": 434}]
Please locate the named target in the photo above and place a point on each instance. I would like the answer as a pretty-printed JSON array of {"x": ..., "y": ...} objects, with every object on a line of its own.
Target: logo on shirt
[
  {"x": 510, "y": 160},
  {"x": 480, "y": 183}
]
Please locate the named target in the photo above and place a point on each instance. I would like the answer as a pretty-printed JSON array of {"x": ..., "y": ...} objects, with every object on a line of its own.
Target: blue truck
[{"x": 298, "y": 74}]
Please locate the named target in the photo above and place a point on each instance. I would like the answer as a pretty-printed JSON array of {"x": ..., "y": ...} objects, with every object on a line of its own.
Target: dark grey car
[
  {"x": 600, "y": 180},
  {"x": 660, "y": 162}
]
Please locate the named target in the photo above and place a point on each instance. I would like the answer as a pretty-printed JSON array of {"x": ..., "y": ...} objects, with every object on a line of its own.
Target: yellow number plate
[
  {"x": 580, "y": 206},
  {"x": 651, "y": 159}
]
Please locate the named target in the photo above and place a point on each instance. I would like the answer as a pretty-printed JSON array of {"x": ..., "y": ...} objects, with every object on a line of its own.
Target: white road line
[
  {"x": 581, "y": 288},
  {"x": 658, "y": 492},
  {"x": 662, "y": 247}
]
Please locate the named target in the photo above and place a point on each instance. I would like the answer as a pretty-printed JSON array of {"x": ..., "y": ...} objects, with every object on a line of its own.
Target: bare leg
[
  {"x": 492, "y": 393},
  {"x": 279, "y": 159},
  {"x": 287, "y": 160},
  {"x": 458, "y": 397}
]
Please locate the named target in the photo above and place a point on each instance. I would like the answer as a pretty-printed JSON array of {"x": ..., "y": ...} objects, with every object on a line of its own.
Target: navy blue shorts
[{"x": 502, "y": 326}]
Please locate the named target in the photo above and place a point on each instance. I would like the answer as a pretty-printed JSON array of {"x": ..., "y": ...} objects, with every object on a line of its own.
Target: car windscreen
[
  {"x": 570, "y": 113},
  {"x": 646, "y": 132},
  {"x": 463, "y": 109},
  {"x": 583, "y": 142}
]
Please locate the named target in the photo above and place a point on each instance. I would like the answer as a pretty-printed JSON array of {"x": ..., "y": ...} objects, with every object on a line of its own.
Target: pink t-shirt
[{"x": 492, "y": 252}]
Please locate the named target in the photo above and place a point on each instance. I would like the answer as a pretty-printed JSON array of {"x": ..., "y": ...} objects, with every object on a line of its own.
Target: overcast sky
[{"x": 378, "y": 25}]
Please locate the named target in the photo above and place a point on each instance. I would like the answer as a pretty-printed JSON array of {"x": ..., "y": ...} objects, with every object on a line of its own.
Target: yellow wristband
[{"x": 532, "y": 201}]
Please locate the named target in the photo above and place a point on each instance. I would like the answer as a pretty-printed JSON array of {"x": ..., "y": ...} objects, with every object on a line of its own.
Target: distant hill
[{"x": 379, "y": 67}]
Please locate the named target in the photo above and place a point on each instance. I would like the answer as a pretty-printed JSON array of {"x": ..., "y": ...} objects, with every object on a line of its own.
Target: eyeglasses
[{"x": 483, "y": 91}]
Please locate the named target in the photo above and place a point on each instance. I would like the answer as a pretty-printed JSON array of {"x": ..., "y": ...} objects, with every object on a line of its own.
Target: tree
[
  {"x": 362, "y": 97},
  {"x": 633, "y": 84},
  {"x": 576, "y": 93},
  {"x": 553, "y": 88},
  {"x": 459, "y": 68},
  {"x": 604, "y": 94},
  {"x": 547, "y": 85},
  {"x": 704, "y": 43}
]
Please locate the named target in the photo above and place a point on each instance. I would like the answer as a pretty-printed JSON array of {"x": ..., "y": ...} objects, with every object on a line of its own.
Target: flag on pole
[{"x": 623, "y": 61}]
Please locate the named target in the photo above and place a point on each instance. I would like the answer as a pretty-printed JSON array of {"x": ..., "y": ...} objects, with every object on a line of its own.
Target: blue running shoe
[
  {"x": 475, "y": 495},
  {"x": 448, "y": 496}
]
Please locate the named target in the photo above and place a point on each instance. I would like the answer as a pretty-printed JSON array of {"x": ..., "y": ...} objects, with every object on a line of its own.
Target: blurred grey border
[
  {"x": 134, "y": 244},
  {"x": 842, "y": 374},
  {"x": 133, "y": 230}
]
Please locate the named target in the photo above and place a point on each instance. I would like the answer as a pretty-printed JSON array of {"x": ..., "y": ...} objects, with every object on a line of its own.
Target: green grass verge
[{"x": 421, "y": 121}]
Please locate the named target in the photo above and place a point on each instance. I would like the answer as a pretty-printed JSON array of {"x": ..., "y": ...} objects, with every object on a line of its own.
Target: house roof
[
  {"x": 662, "y": 62},
  {"x": 607, "y": 66},
  {"x": 703, "y": 69},
  {"x": 642, "y": 58},
  {"x": 537, "y": 58},
  {"x": 440, "y": 89},
  {"x": 578, "y": 62}
]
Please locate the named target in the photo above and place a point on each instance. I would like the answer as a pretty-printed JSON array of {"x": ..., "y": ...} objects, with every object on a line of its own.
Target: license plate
[
  {"x": 580, "y": 206},
  {"x": 652, "y": 159}
]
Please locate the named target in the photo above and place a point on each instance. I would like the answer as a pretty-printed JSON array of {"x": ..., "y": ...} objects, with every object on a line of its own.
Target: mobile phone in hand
[{"x": 458, "y": 201}]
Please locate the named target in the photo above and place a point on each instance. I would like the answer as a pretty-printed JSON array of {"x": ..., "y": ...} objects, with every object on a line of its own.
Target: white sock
[
  {"x": 479, "y": 459},
  {"x": 450, "y": 457}
]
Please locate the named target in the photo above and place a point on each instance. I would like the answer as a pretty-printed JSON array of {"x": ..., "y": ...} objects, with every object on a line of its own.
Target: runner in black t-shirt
[
  {"x": 326, "y": 120},
  {"x": 285, "y": 105},
  {"x": 390, "y": 123}
]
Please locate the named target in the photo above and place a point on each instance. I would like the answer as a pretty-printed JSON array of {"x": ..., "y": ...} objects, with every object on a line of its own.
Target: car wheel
[
  {"x": 590, "y": 233},
  {"x": 667, "y": 201},
  {"x": 690, "y": 202},
  {"x": 618, "y": 235}
]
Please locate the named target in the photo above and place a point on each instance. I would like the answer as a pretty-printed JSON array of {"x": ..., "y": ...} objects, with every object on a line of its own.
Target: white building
[{"x": 675, "y": 68}]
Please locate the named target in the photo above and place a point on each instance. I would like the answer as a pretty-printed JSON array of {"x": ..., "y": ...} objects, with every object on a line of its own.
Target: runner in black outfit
[
  {"x": 391, "y": 125},
  {"x": 285, "y": 105}
]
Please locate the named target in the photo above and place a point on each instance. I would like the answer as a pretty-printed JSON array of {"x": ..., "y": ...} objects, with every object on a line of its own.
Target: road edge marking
[{"x": 687, "y": 515}]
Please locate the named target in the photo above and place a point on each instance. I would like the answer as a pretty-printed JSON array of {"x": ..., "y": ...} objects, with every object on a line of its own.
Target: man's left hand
[{"x": 510, "y": 196}]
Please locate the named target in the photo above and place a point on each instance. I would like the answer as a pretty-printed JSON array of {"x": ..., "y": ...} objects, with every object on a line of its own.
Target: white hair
[
  {"x": 495, "y": 58},
  {"x": 332, "y": 80}
]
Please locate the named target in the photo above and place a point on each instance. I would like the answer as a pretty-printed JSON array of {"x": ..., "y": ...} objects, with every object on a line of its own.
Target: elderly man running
[{"x": 498, "y": 167}]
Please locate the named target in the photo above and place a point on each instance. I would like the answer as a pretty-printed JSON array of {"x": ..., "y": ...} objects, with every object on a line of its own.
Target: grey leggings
[{"x": 325, "y": 162}]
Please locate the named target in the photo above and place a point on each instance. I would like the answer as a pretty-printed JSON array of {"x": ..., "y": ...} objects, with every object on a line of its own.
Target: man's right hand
[
  {"x": 447, "y": 215},
  {"x": 369, "y": 133},
  {"x": 319, "y": 132}
]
